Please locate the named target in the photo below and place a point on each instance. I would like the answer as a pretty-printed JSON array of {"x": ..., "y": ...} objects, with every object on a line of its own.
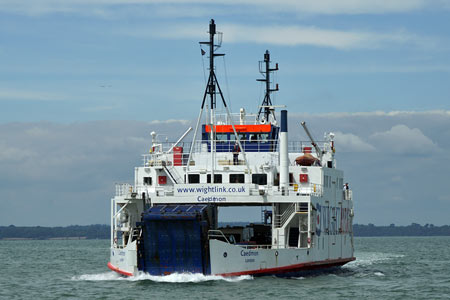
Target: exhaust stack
[{"x": 284, "y": 157}]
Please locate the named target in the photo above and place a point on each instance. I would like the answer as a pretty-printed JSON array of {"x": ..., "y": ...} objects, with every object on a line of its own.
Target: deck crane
[{"x": 318, "y": 151}]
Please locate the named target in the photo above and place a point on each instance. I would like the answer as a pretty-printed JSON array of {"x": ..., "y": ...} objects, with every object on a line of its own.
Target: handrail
[
  {"x": 215, "y": 233},
  {"x": 255, "y": 246},
  {"x": 199, "y": 145},
  {"x": 123, "y": 189},
  {"x": 280, "y": 220},
  {"x": 348, "y": 195}
]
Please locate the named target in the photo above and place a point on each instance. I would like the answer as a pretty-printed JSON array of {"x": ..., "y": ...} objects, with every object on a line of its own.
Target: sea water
[{"x": 385, "y": 268}]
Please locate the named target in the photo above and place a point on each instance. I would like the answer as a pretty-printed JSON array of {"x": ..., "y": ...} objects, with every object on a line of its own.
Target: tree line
[
  {"x": 99, "y": 231},
  {"x": 410, "y": 230}
]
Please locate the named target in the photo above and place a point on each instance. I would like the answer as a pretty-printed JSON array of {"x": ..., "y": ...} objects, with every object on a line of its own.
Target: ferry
[{"x": 168, "y": 220}]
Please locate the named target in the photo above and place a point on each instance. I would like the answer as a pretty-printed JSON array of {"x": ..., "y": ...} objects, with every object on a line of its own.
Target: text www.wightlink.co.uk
[
  {"x": 211, "y": 193},
  {"x": 211, "y": 190}
]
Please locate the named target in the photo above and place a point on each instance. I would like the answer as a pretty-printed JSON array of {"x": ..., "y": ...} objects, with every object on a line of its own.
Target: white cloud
[
  {"x": 393, "y": 113},
  {"x": 332, "y": 7},
  {"x": 348, "y": 142},
  {"x": 287, "y": 35},
  {"x": 100, "y": 108},
  {"x": 10, "y": 154},
  {"x": 170, "y": 121},
  {"x": 401, "y": 139},
  {"x": 37, "y": 7},
  {"x": 37, "y": 132},
  {"x": 9, "y": 94},
  {"x": 366, "y": 68}
]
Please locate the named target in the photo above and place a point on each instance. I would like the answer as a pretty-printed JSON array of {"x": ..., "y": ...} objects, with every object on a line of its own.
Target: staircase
[
  {"x": 173, "y": 174},
  {"x": 280, "y": 220}
]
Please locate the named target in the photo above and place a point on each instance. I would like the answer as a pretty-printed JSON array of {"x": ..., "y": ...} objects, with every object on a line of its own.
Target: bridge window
[
  {"x": 242, "y": 136},
  {"x": 237, "y": 178},
  {"x": 147, "y": 181},
  {"x": 263, "y": 137},
  {"x": 194, "y": 178},
  {"x": 221, "y": 137},
  {"x": 260, "y": 179},
  {"x": 217, "y": 178}
]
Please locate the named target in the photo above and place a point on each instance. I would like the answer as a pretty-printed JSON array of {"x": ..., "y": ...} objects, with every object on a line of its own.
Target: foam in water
[
  {"x": 172, "y": 278},
  {"x": 99, "y": 277},
  {"x": 370, "y": 258}
]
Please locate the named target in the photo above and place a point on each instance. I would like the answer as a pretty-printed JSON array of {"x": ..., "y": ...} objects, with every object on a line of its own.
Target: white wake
[
  {"x": 172, "y": 278},
  {"x": 370, "y": 258}
]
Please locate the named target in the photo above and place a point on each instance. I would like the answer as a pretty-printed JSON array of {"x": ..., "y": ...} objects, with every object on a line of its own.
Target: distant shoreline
[
  {"x": 52, "y": 238},
  {"x": 101, "y": 231}
]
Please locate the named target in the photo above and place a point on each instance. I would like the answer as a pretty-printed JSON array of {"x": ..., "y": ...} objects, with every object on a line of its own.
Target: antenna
[
  {"x": 266, "y": 109},
  {"x": 212, "y": 80}
]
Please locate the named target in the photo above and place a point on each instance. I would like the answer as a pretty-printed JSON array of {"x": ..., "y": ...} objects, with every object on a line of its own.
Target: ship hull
[
  {"x": 237, "y": 260},
  {"x": 302, "y": 269}
]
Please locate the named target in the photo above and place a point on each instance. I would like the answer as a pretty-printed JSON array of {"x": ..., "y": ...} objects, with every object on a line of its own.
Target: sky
[{"x": 83, "y": 83}]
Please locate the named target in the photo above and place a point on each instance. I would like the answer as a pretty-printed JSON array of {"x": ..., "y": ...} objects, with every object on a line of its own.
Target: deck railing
[
  {"x": 216, "y": 234},
  {"x": 348, "y": 194},
  {"x": 123, "y": 189},
  {"x": 160, "y": 156},
  {"x": 264, "y": 145}
]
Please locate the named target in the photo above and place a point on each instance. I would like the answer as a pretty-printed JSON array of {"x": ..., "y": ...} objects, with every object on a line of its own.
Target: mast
[
  {"x": 212, "y": 90},
  {"x": 266, "y": 110}
]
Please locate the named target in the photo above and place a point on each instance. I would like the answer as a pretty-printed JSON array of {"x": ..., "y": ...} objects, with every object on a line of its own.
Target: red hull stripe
[
  {"x": 115, "y": 269},
  {"x": 294, "y": 268}
]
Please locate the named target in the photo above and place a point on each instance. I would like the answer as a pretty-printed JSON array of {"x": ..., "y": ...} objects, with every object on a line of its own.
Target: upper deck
[{"x": 178, "y": 154}]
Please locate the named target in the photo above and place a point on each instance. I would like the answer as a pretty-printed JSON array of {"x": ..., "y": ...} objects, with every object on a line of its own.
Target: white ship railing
[
  {"x": 280, "y": 219},
  {"x": 348, "y": 195},
  {"x": 312, "y": 189},
  {"x": 259, "y": 145},
  {"x": 249, "y": 246},
  {"x": 217, "y": 234},
  {"x": 123, "y": 189}
]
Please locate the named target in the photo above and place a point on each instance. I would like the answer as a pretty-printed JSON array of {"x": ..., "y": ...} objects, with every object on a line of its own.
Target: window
[
  {"x": 147, "y": 181},
  {"x": 221, "y": 137},
  {"x": 264, "y": 137},
  {"x": 242, "y": 136},
  {"x": 217, "y": 178},
  {"x": 260, "y": 179},
  {"x": 254, "y": 138},
  {"x": 237, "y": 178},
  {"x": 194, "y": 178}
]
